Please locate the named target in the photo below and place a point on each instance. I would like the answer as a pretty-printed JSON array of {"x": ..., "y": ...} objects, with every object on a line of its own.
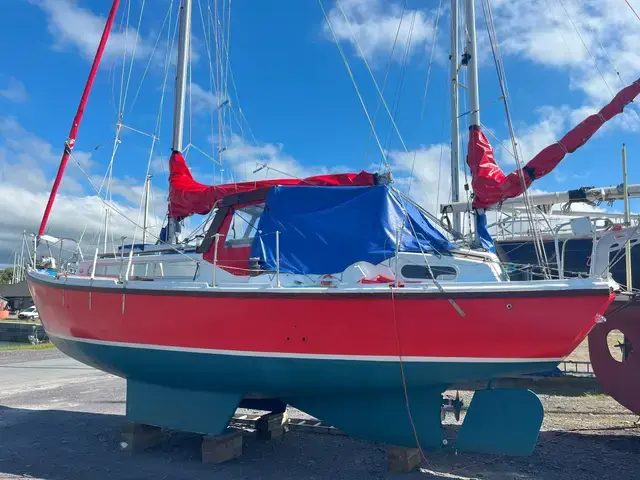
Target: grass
[
  {"x": 27, "y": 346},
  {"x": 594, "y": 394},
  {"x": 24, "y": 320}
]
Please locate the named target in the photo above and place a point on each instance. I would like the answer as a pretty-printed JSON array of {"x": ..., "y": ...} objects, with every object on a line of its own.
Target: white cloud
[
  {"x": 72, "y": 25},
  {"x": 374, "y": 24},
  {"x": 552, "y": 124},
  {"x": 202, "y": 101},
  {"x": 15, "y": 91},
  {"x": 554, "y": 35},
  {"x": 244, "y": 158},
  {"x": 25, "y": 143},
  {"x": 431, "y": 183},
  {"x": 159, "y": 165},
  {"x": 23, "y": 154},
  {"x": 25, "y": 160}
]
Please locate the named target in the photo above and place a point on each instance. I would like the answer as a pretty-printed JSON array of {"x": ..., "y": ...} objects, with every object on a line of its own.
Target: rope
[{"x": 404, "y": 381}]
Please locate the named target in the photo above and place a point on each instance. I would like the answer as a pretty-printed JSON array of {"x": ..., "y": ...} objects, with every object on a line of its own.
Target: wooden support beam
[
  {"x": 402, "y": 459},
  {"x": 271, "y": 425},
  {"x": 137, "y": 437},
  {"x": 222, "y": 448}
]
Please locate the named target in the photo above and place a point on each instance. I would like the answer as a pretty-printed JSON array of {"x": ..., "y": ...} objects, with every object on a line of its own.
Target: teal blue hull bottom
[{"x": 199, "y": 392}]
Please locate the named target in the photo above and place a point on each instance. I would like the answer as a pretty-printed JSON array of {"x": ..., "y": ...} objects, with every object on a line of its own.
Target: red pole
[{"x": 78, "y": 118}]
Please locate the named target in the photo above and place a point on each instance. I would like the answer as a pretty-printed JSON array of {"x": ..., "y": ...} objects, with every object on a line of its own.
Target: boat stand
[
  {"x": 402, "y": 459},
  {"x": 222, "y": 448},
  {"x": 137, "y": 437}
]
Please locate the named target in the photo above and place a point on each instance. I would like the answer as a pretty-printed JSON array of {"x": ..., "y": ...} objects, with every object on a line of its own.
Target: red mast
[{"x": 68, "y": 147}]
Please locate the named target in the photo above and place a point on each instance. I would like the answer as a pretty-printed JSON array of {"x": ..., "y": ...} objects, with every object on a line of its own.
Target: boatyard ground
[{"x": 60, "y": 419}]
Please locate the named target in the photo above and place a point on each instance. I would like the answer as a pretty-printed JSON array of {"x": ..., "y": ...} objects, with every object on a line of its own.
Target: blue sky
[{"x": 296, "y": 95}]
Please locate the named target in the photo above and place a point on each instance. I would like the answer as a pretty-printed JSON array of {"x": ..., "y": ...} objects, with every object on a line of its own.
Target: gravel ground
[{"x": 61, "y": 420}]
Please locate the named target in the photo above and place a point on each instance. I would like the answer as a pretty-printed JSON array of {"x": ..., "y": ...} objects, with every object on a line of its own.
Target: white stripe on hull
[{"x": 310, "y": 356}]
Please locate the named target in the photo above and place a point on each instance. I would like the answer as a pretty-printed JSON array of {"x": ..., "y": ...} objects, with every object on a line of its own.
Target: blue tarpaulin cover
[
  {"x": 326, "y": 229},
  {"x": 483, "y": 232}
]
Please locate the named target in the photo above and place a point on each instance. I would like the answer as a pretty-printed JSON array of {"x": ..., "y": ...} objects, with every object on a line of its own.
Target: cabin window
[
  {"x": 141, "y": 270},
  {"x": 176, "y": 269},
  {"x": 244, "y": 226},
  {"x": 112, "y": 270},
  {"x": 100, "y": 269},
  {"x": 422, "y": 272}
]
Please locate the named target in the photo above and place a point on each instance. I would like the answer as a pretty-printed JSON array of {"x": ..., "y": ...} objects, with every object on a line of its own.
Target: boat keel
[
  {"x": 207, "y": 413},
  {"x": 501, "y": 421},
  {"x": 383, "y": 416}
]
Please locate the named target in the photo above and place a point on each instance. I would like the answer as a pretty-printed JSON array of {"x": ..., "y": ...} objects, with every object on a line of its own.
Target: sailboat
[{"x": 340, "y": 298}]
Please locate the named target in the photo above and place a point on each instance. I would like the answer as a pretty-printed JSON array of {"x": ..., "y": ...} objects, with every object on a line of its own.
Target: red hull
[{"x": 498, "y": 325}]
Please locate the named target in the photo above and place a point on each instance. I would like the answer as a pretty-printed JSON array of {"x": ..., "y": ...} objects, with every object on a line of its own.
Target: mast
[
  {"x": 73, "y": 133},
  {"x": 106, "y": 228},
  {"x": 147, "y": 189},
  {"x": 21, "y": 259},
  {"x": 184, "y": 44},
  {"x": 627, "y": 217},
  {"x": 184, "y": 48},
  {"x": 470, "y": 59},
  {"x": 455, "y": 140},
  {"x": 13, "y": 271}
]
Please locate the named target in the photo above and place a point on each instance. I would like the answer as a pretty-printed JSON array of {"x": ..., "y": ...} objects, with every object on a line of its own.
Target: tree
[{"x": 6, "y": 275}]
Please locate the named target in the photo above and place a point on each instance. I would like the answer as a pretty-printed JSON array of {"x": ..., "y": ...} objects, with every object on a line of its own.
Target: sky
[{"x": 278, "y": 81}]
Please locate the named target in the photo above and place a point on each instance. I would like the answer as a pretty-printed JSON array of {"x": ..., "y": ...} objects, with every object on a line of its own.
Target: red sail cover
[
  {"x": 492, "y": 186},
  {"x": 187, "y": 197}
]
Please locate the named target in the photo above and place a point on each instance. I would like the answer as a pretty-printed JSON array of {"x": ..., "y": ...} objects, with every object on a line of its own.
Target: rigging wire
[
  {"x": 106, "y": 181},
  {"x": 444, "y": 106},
  {"x": 124, "y": 56},
  {"x": 384, "y": 82},
  {"x": 116, "y": 209},
  {"x": 212, "y": 87},
  {"x": 595, "y": 63},
  {"x": 355, "y": 85},
  {"x": 397, "y": 93},
  {"x": 632, "y": 9},
  {"x": 613, "y": 65},
  {"x": 593, "y": 59},
  {"x": 366, "y": 63},
  {"x": 436, "y": 23},
  {"x": 495, "y": 50},
  {"x": 133, "y": 54},
  {"x": 468, "y": 194},
  {"x": 152, "y": 55}
]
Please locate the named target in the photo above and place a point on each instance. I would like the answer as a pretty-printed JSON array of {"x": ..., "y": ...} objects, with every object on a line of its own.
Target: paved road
[{"x": 61, "y": 420}]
